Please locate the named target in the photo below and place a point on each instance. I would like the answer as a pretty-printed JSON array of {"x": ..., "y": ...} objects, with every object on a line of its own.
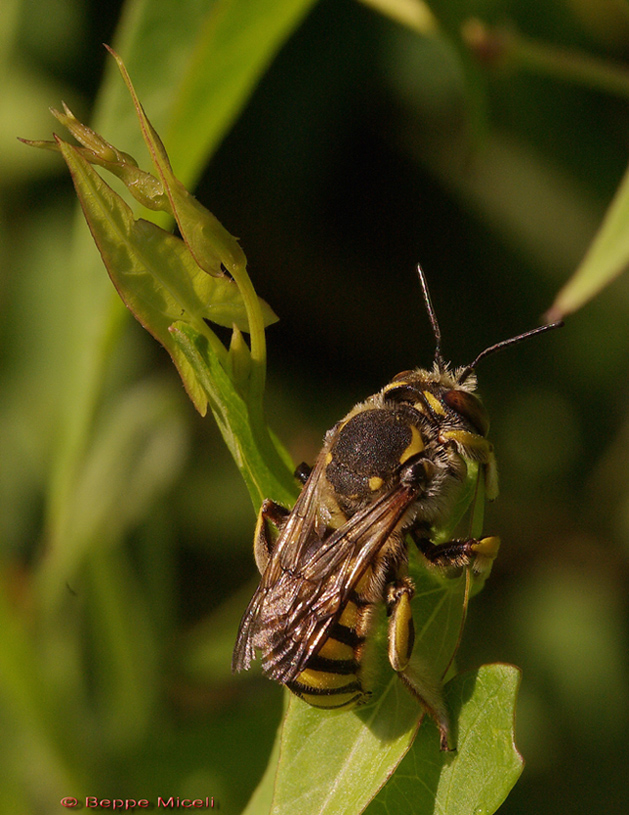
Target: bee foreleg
[
  {"x": 479, "y": 553},
  {"x": 270, "y": 515}
]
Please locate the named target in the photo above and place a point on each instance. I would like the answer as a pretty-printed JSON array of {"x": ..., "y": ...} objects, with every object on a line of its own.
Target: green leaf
[
  {"x": 235, "y": 44},
  {"x": 606, "y": 258},
  {"x": 213, "y": 249},
  {"x": 480, "y": 774},
  {"x": 133, "y": 458},
  {"x": 262, "y": 799},
  {"x": 165, "y": 280},
  {"x": 263, "y": 480},
  {"x": 154, "y": 271},
  {"x": 209, "y": 242},
  {"x": 216, "y": 86},
  {"x": 471, "y": 496}
]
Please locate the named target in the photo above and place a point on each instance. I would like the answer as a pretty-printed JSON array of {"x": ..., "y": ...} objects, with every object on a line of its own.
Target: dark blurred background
[{"x": 358, "y": 156}]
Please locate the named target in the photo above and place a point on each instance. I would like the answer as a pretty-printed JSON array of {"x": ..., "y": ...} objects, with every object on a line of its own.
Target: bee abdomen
[{"x": 331, "y": 678}]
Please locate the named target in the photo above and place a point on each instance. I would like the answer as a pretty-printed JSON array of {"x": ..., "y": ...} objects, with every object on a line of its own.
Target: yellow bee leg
[
  {"x": 270, "y": 515},
  {"x": 485, "y": 550},
  {"x": 401, "y": 639},
  {"x": 401, "y": 629},
  {"x": 476, "y": 447}
]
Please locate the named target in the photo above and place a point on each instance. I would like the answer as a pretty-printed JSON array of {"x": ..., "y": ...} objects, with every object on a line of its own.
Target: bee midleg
[
  {"x": 479, "y": 553},
  {"x": 271, "y": 514},
  {"x": 401, "y": 640}
]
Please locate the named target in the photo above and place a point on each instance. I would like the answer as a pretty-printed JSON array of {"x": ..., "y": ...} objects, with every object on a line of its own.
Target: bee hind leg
[
  {"x": 271, "y": 516},
  {"x": 428, "y": 694},
  {"x": 401, "y": 639}
]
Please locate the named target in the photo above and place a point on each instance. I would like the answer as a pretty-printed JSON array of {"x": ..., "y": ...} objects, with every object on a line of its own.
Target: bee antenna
[
  {"x": 432, "y": 317},
  {"x": 505, "y": 343}
]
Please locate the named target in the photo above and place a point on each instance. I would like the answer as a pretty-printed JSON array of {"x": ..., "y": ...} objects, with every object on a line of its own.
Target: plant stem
[
  {"x": 255, "y": 400},
  {"x": 509, "y": 48}
]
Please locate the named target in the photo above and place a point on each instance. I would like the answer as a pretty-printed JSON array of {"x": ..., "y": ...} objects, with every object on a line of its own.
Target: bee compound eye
[{"x": 470, "y": 408}]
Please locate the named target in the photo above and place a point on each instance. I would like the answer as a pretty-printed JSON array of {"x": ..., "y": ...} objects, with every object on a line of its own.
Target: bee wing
[
  {"x": 327, "y": 580},
  {"x": 309, "y": 578},
  {"x": 264, "y": 610}
]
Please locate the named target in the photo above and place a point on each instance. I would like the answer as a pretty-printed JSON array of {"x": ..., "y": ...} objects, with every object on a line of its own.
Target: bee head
[
  {"x": 465, "y": 377},
  {"x": 447, "y": 392}
]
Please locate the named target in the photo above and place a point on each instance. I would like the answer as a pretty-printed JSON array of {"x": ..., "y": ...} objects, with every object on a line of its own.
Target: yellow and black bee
[{"x": 393, "y": 468}]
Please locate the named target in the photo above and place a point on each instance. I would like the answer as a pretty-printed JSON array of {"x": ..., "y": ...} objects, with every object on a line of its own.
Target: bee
[{"x": 389, "y": 473}]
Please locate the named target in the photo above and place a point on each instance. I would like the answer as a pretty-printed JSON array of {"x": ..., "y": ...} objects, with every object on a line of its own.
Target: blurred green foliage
[{"x": 363, "y": 148}]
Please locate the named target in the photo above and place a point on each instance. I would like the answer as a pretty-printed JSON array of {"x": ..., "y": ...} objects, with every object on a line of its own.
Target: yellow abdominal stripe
[
  {"x": 333, "y": 649},
  {"x": 336, "y": 700},
  {"x": 324, "y": 680}
]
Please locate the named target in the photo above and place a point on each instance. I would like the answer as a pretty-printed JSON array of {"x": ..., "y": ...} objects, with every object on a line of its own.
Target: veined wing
[
  {"x": 302, "y": 607},
  {"x": 264, "y": 610}
]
